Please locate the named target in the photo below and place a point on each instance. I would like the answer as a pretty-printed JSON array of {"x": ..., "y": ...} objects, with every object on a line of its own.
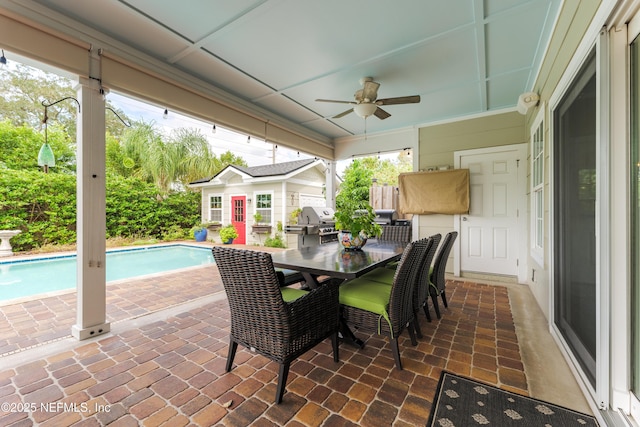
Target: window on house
[
  {"x": 264, "y": 207},
  {"x": 215, "y": 208},
  {"x": 537, "y": 189}
]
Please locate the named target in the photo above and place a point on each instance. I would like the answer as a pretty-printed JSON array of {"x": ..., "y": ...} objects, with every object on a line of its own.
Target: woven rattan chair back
[
  {"x": 396, "y": 233},
  {"x": 262, "y": 321},
  {"x": 402, "y": 300},
  {"x": 440, "y": 265},
  {"x": 421, "y": 293}
]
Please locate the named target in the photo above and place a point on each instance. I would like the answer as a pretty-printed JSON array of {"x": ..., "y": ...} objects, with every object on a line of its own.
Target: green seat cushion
[
  {"x": 366, "y": 295},
  {"x": 382, "y": 275},
  {"x": 291, "y": 294}
]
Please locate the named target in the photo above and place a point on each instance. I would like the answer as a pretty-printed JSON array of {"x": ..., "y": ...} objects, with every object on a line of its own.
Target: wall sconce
[
  {"x": 165, "y": 115},
  {"x": 248, "y": 199},
  {"x": 3, "y": 59},
  {"x": 526, "y": 101}
]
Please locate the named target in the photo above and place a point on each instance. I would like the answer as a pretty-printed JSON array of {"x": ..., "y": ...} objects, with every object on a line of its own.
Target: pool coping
[{"x": 69, "y": 254}]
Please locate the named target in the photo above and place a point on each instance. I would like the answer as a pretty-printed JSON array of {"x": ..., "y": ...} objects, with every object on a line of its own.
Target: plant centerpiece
[
  {"x": 258, "y": 227},
  {"x": 228, "y": 233},
  {"x": 356, "y": 223},
  {"x": 200, "y": 232}
]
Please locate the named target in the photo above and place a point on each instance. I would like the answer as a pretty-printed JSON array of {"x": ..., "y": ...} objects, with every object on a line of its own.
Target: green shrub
[{"x": 275, "y": 241}]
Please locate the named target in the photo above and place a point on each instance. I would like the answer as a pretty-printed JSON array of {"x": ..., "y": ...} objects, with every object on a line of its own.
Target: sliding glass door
[{"x": 574, "y": 184}]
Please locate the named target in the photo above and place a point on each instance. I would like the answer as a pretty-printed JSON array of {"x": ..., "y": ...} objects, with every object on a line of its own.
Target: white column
[
  {"x": 331, "y": 184},
  {"x": 91, "y": 217}
]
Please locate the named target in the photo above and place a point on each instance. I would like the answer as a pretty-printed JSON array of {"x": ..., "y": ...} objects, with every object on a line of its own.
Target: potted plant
[
  {"x": 200, "y": 232},
  {"x": 228, "y": 233},
  {"x": 356, "y": 223},
  {"x": 259, "y": 228}
]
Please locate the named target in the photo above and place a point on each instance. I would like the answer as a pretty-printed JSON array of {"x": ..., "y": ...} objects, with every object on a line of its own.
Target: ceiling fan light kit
[
  {"x": 365, "y": 110},
  {"x": 366, "y": 103}
]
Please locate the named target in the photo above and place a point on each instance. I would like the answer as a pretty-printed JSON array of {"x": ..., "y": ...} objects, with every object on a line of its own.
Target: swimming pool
[{"x": 21, "y": 278}]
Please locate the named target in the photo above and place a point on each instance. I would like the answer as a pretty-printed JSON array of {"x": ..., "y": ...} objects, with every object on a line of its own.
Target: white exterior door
[{"x": 491, "y": 234}]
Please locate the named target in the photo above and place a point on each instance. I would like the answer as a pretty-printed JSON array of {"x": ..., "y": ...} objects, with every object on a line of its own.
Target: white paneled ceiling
[{"x": 462, "y": 57}]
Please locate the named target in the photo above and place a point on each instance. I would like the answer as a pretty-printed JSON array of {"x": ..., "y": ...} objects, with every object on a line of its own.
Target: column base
[{"x": 90, "y": 332}]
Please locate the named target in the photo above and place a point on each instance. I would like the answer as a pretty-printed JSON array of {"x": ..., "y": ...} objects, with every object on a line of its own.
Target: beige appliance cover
[{"x": 437, "y": 192}]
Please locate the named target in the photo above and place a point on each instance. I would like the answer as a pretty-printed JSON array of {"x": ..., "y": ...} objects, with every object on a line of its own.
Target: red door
[{"x": 239, "y": 218}]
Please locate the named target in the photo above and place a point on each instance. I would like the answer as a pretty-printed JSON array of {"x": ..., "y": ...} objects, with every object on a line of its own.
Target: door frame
[{"x": 522, "y": 218}]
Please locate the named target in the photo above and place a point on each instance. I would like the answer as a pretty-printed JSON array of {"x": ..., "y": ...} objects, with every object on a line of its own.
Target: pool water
[{"x": 23, "y": 278}]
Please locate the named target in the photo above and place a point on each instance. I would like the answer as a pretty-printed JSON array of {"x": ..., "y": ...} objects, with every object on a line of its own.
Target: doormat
[{"x": 462, "y": 402}]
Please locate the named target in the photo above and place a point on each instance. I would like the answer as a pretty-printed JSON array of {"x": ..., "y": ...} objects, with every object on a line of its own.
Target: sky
[{"x": 255, "y": 153}]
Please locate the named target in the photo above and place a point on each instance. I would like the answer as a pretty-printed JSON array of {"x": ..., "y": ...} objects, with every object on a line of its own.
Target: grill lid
[
  {"x": 386, "y": 216},
  {"x": 317, "y": 215}
]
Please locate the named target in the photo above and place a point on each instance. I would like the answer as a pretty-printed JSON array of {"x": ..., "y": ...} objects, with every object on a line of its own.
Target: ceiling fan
[{"x": 366, "y": 102}]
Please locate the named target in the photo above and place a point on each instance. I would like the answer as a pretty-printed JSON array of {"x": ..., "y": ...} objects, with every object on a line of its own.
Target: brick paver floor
[{"x": 171, "y": 372}]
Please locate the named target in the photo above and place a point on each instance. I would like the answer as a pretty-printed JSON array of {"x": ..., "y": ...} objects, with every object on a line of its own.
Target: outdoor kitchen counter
[{"x": 332, "y": 260}]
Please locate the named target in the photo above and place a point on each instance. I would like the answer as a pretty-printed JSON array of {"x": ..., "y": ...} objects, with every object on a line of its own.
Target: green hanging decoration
[{"x": 46, "y": 158}]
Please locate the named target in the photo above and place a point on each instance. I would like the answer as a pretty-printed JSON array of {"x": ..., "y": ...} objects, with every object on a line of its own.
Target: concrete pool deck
[{"x": 34, "y": 321}]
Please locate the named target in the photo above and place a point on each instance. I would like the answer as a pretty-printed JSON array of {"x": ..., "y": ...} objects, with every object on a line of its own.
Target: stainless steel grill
[
  {"x": 316, "y": 226},
  {"x": 386, "y": 216}
]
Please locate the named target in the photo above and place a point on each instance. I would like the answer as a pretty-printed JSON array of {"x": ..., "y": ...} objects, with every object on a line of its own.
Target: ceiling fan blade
[
  {"x": 381, "y": 114},
  {"x": 344, "y": 113},
  {"x": 414, "y": 99},
  {"x": 334, "y": 100},
  {"x": 370, "y": 90}
]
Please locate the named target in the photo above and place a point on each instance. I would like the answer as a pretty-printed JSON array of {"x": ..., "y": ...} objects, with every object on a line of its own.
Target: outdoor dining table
[{"x": 332, "y": 261}]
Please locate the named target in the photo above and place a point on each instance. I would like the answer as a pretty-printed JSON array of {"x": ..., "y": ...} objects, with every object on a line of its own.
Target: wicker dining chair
[
  {"x": 385, "y": 309},
  {"x": 261, "y": 318},
  {"x": 421, "y": 284},
  {"x": 424, "y": 288},
  {"x": 437, "y": 279}
]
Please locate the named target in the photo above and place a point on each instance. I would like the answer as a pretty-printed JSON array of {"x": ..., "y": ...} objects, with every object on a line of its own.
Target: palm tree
[{"x": 171, "y": 163}]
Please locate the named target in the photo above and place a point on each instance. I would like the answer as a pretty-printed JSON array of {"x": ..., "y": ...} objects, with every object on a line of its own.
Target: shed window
[
  {"x": 264, "y": 206},
  {"x": 215, "y": 208}
]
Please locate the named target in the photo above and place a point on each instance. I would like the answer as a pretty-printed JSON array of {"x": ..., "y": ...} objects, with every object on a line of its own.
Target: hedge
[{"x": 43, "y": 207}]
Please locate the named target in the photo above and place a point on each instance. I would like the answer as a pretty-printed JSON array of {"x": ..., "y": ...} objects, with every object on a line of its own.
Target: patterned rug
[{"x": 462, "y": 402}]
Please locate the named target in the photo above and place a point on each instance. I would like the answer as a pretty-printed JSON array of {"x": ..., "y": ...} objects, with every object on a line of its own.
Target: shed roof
[{"x": 277, "y": 169}]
